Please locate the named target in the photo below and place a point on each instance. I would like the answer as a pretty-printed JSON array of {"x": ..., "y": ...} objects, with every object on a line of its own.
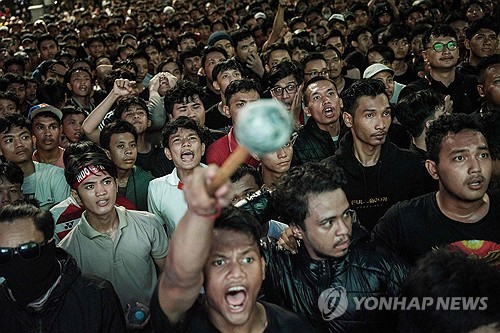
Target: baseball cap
[
  {"x": 34, "y": 110},
  {"x": 371, "y": 70},
  {"x": 381, "y": 8},
  {"x": 260, "y": 15}
]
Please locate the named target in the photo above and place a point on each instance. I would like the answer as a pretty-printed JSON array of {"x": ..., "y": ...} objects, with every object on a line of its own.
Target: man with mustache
[
  {"x": 460, "y": 212},
  {"x": 441, "y": 53},
  {"x": 332, "y": 259},
  {"x": 379, "y": 174}
]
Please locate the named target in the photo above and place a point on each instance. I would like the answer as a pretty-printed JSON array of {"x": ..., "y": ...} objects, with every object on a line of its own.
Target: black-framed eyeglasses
[
  {"x": 27, "y": 251},
  {"x": 439, "y": 47},
  {"x": 278, "y": 91}
]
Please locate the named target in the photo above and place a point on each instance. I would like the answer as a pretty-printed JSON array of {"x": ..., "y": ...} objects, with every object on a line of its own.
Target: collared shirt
[
  {"x": 126, "y": 260},
  {"x": 220, "y": 150}
]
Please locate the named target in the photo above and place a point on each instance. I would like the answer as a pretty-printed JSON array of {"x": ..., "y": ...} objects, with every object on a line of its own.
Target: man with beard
[
  {"x": 332, "y": 259},
  {"x": 43, "y": 287},
  {"x": 378, "y": 172},
  {"x": 319, "y": 138},
  {"x": 460, "y": 213}
]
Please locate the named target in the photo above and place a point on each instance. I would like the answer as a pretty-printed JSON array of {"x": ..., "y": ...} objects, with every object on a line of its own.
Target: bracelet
[{"x": 218, "y": 210}]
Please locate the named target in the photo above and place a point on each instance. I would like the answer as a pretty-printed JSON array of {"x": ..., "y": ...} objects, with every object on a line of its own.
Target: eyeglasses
[
  {"x": 314, "y": 73},
  {"x": 27, "y": 251},
  {"x": 439, "y": 47},
  {"x": 278, "y": 91}
]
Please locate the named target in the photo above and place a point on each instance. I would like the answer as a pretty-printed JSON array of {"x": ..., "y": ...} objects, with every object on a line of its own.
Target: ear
[
  {"x": 201, "y": 72},
  {"x": 480, "y": 90},
  {"x": 297, "y": 231},
  {"x": 225, "y": 108},
  {"x": 75, "y": 196},
  {"x": 424, "y": 55},
  {"x": 108, "y": 153},
  {"x": 432, "y": 169},
  {"x": 202, "y": 149},
  {"x": 68, "y": 86},
  {"x": 168, "y": 153},
  {"x": 427, "y": 125},
  {"x": 216, "y": 86},
  {"x": 267, "y": 68},
  {"x": 149, "y": 123},
  {"x": 348, "y": 120},
  {"x": 354, "y": 44},
  {"x": 467, "y": 44},
  {"x": 306, "y": 111}
]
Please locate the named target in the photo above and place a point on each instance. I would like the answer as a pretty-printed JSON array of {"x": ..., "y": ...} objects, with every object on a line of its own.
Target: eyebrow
[{"x": 464, "y": 150}]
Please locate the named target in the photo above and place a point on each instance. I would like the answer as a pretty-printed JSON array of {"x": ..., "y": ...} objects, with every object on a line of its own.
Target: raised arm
[
  {"x": 121, "y": 87},
  {"x": 278, "y": 25},
  {"x": 189, "y": 247}
]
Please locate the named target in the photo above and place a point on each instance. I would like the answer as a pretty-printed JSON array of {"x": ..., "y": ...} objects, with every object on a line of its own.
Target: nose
[
  {"x": 343, "y": 228},
  {"x": 380, "y": 123},
  {"x": 474, "y": 165},
  {"x": 281, "y": 153},
  {"x": 236, "y": 271},
  {"x": 100, "y": 190}
]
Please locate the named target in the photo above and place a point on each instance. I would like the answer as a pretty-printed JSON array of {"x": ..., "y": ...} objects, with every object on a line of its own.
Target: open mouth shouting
[
  {"x": 236, "y": 297},
  {"x": 329, "y": 112}
]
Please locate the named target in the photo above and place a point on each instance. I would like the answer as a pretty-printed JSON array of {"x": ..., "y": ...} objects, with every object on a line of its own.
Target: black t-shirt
[
  {"x": 216, "y": 120},
  {"x": 414, "y": 227},
  {"x": 155, "y": 162},
  {"x": 197, "y": 320}
]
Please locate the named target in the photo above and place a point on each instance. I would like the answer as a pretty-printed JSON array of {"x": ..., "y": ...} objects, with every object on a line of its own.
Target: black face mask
[{"x": 28, "y": 280}]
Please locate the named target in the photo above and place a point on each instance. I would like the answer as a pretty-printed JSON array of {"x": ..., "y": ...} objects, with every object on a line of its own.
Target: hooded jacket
[
  {"x": 371, "y": 191},
  {"x": 296, "y": 282},
  {"x": 79, "y": 303}
]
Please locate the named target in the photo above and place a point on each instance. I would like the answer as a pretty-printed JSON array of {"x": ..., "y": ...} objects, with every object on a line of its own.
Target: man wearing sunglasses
[
  {"x": 441, "y": 54},
  {"x": 44, "y": 290}
]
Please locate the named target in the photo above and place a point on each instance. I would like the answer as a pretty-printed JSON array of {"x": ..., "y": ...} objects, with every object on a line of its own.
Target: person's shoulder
[
  {"x": 139, "y": 171},
  {"x": 281, "y": 320},
  {"x": 137, "y": 215}
]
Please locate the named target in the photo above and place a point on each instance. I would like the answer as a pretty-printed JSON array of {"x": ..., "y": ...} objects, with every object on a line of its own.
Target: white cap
[
  {"x": 339, "y": 17},
  {"x": 260, "y": 15},
  {"x": 371, "y": 70}
]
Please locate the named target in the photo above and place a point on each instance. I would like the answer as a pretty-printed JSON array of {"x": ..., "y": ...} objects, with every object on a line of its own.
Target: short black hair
[
  {"x": 292, "y": 193},
  {"x": 275, "y": 47},
  {"x": 51, "y": 92},
  {"x": 9, "y": 95},
  {"x": 9, "y": 121},
  {"x": 414, "y": 110},
  {"x": 363, "y": 87},
  {"x": 239, "y": 35},
  {"x": 183, "y": 92},
  {"x": 238, "y": 220},
  {"x": 43, "y": 38},
  {"x": 69, "y": 110},
  {"x": 385, "y": 51},
  {"x": 76, "y": 163},
  {"x": 43, "y": 220},
  {"x": 79, "y": 148},
  {"x": 440, "y": 30},
  {"x": 445, "y": 274},
  {"x": 314, "y": 80},
  {"x": 310, "y": 57},
  {"x": 212, "y": 49},
  {"x": 69, "y": 73},
  {"x": 244, "y": 170},
  {"x": 12, "y": 173},
  {"x": 484, "y": 64},
  {"x": 284, "y": 69},
  {"x": 123, "y": 105},
  {"x": 116, "y": 127},
  {"x": 189, "y": 53},
  {"x": 445, "y": 125},
  {"x": 486, "y": 22},
  {"x": 244, "y": 85},
  {"x": 181, "y": 122},
  {"x": 224, "y": 66}
]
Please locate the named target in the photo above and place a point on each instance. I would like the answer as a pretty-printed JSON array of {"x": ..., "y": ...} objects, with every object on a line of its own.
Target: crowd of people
[{"x": 115, "y": 118}]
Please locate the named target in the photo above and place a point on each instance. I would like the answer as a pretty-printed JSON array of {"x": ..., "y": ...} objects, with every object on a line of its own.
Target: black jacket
[
  {"x": 462, "y": 91},
  {"x": 312, "y": 144},
  {"x": 79, "y": 303},
  {"x": 371, "y": 191},
  {"x": 297, "y": 281}
]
